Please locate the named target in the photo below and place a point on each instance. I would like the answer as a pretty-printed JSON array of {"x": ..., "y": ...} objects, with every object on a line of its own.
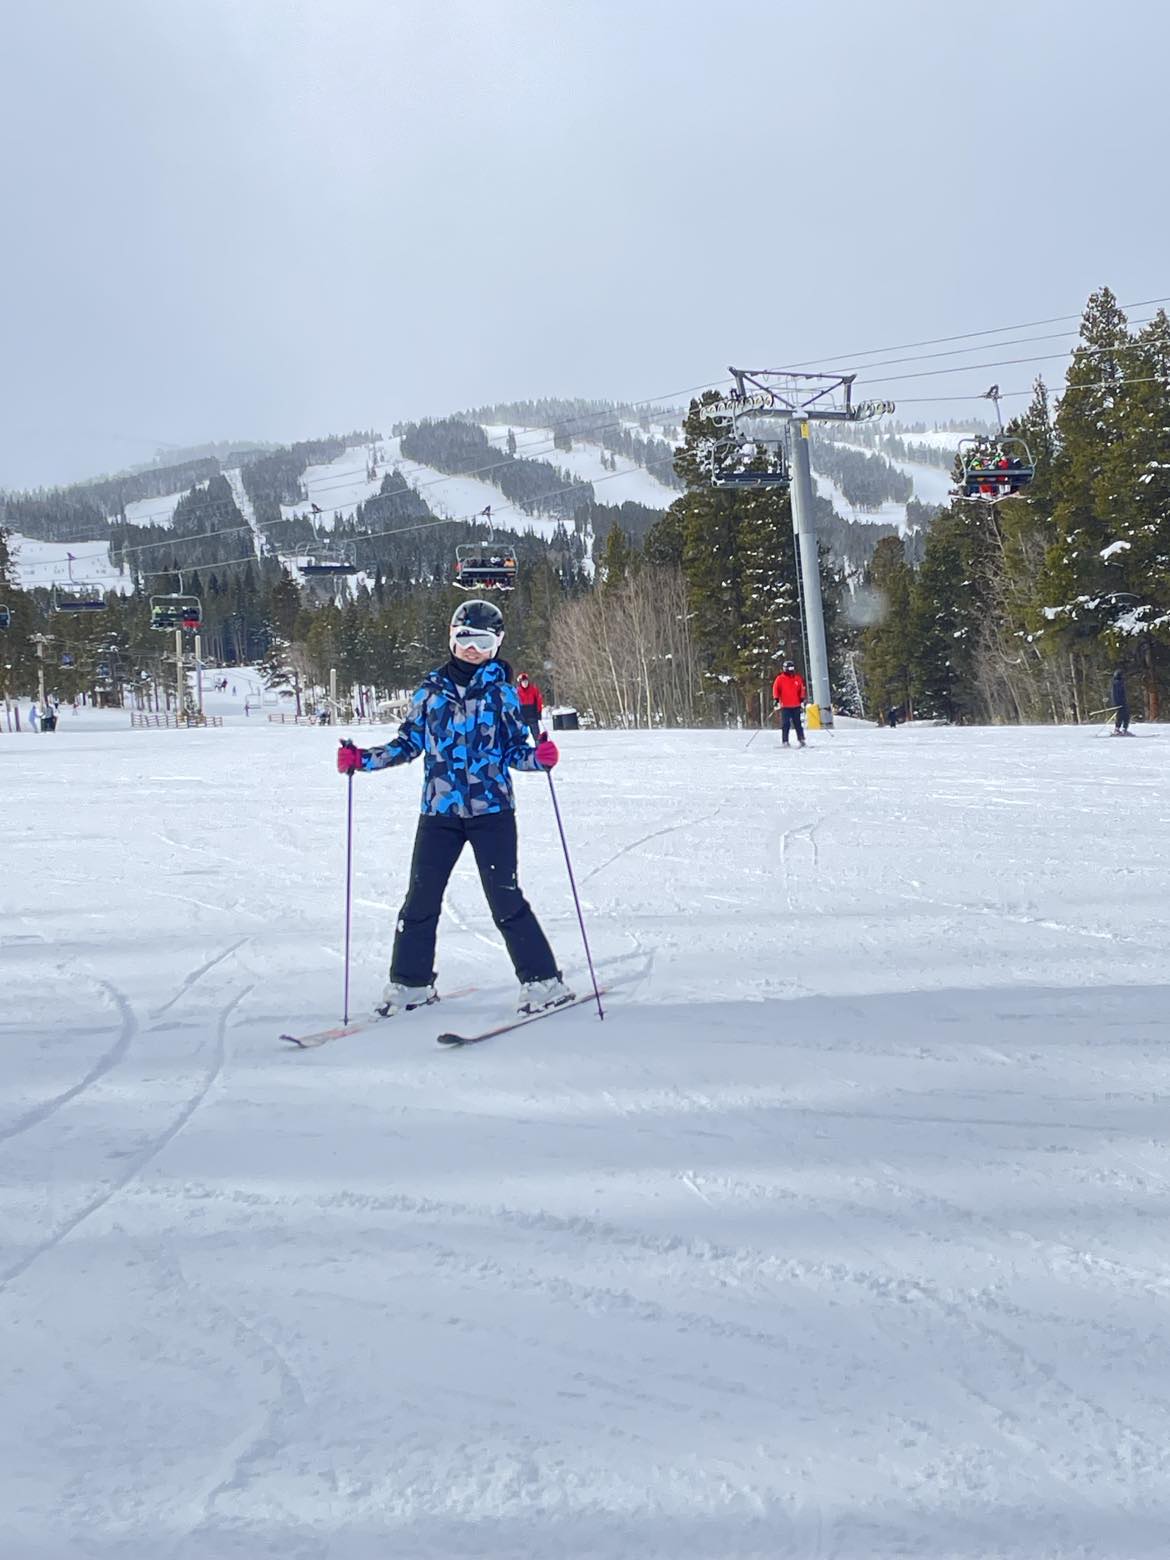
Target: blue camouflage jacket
[{"x": 469, "y": 739}]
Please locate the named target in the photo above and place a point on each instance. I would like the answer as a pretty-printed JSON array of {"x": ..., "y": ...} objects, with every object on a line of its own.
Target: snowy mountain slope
[
  {"x": 932, "y": 484},
  {"x": 154, "y": 511},
  {"x": 337, "y": 486},
  {"x": 843, "y": 1235},
  {"x": 462, "y": 498},
  {"x": 37, "y": 565},
  {"x": 630, "y": 483},
  {"x": 940, "y": 438},
  {"x": 244, "y": 505},
  {"x": 888, "y": 513}
]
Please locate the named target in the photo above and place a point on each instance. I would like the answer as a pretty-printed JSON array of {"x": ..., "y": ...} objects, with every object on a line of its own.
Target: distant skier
[
  {"x": 465, "y": 721},
  {"x": 789, "y": 694},
  {"x": 531, "y": 702},
  {"x": 1120, "y": 700}
]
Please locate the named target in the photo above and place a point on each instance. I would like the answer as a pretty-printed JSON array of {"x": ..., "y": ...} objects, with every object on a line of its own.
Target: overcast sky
[{"x": 270, "y": 219}]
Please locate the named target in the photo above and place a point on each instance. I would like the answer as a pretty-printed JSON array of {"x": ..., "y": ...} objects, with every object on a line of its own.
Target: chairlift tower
[
  {"x": 41, "y": 640},
  {"x": 772, "y": 408}
]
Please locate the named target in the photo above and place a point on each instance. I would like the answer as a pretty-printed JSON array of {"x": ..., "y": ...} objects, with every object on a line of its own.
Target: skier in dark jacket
[
  {"x": 531, "y": 702},
  {"x": 465, "y": 722},
  {"x": 1120, "y": 700},
  {"x": 789, "y": 694}
]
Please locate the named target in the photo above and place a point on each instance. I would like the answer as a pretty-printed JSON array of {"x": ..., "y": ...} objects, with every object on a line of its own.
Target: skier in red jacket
[
  {"x": 789, "y": 693},
  {"x": 531, "y": 703}
]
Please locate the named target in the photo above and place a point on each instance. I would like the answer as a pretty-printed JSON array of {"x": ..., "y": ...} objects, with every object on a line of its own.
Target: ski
[
  {"x": 518, "y": 1022},
  {"x": 360, "y": 1025}
]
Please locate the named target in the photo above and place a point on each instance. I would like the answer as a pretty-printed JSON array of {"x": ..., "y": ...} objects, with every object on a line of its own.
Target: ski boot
[
  {"x": 537, "y": 995},
  {"x": 404, "y": 999}
]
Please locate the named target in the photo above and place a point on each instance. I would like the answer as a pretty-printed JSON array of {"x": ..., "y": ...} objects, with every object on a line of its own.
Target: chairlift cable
[{"x": 968, "y": 335}]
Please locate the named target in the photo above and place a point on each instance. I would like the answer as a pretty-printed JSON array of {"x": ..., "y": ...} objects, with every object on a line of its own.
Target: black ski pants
[
  {"x": 1121, "y": 718},
  {"x": 790, "y": 721},
  {"x": 437, "y": 846}
]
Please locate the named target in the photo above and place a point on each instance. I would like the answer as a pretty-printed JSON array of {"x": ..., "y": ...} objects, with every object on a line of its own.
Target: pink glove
[
  {"x": 546, "y": 752},
  {"x": 349, "y": 758}
]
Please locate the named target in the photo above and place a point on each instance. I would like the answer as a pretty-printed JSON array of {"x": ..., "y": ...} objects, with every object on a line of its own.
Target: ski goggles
[{"x": 477, "y": 638}]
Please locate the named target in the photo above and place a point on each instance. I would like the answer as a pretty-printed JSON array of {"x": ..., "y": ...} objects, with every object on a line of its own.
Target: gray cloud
[{"x": 250, "y": 218}]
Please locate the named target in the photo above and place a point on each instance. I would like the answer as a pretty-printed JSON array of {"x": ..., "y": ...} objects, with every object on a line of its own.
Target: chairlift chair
[
  {"x": 994, "y": 468},
  {"x": 329, "y": 559},
  {"x": 484, "y": 566},
  {"x": 76, "y": 597},
  {"x": 171, "y": 612},
  {"x": 736, "y": 462}
]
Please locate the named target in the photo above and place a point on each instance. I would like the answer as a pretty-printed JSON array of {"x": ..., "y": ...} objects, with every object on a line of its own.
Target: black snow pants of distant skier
[
  {"x": 790, "y": 721},
  {"x": 437, "y": 846},
  {"x": 1121, "y": 718}
]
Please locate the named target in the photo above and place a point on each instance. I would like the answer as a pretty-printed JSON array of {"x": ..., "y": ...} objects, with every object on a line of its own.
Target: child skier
[{"x": 465, "y": 720}]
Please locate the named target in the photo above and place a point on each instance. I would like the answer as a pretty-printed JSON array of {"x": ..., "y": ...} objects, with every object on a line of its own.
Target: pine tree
[
  {"x": 617, "y": 558},
  {"x": 770, "y": 622},
  {"x": 1079, "y": 603},
  {"x": 736, "y": 550},
  {"x": 1133, "y": 493},
  {"x": 943, "y": 618},
  {"x": 888, "y": 643}
]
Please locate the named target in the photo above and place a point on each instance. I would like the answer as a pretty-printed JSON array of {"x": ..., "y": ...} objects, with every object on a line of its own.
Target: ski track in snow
[
  {"x": 846, "y": 1235},
  {"x": 128, "y": 1028},
  {"x": 139, "y": 1161}
]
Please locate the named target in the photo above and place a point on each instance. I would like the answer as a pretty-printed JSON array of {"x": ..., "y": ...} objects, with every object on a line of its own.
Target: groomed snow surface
[{"x": 845, "y": 1235}]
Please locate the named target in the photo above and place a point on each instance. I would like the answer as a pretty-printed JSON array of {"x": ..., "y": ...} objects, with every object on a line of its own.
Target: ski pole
[
  {"x": 348, "y": 886},
  {"x": 552, "y": 791},
  {"x": 757, "y": 731}
]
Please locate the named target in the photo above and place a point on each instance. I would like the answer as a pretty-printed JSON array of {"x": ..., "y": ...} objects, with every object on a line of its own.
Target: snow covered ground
[
  {"x": 630, "y": 483},
  {"x": 337, "y": 486},
  {"x": 932, "y": 484},
  {"x": 847, "y": 1234},
  {"x": 244, "y": 505},
  {"x": 889, "y": 512},
  {"x": 37, "y": 565},
  {"x": 462, "y": 498},
  {"x": 155, "y": 511}
]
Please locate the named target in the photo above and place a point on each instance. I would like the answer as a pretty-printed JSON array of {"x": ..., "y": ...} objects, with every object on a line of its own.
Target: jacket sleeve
[
  {"x": 407, "y": 744},
  {"x": 776, "y": 689},
  {"x": 803, "y": 691},
  {"x": 515, "y": 748},
  {"x": 539, "y": 701}
]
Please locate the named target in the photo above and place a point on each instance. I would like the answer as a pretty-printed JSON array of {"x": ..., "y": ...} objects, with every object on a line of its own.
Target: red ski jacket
[
  {"x": 530, "y": 694},
  {"x": 789, "y": 691}
]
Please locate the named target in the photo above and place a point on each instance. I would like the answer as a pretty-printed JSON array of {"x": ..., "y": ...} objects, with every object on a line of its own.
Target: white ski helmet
[{"x": 478, "y": 623}]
